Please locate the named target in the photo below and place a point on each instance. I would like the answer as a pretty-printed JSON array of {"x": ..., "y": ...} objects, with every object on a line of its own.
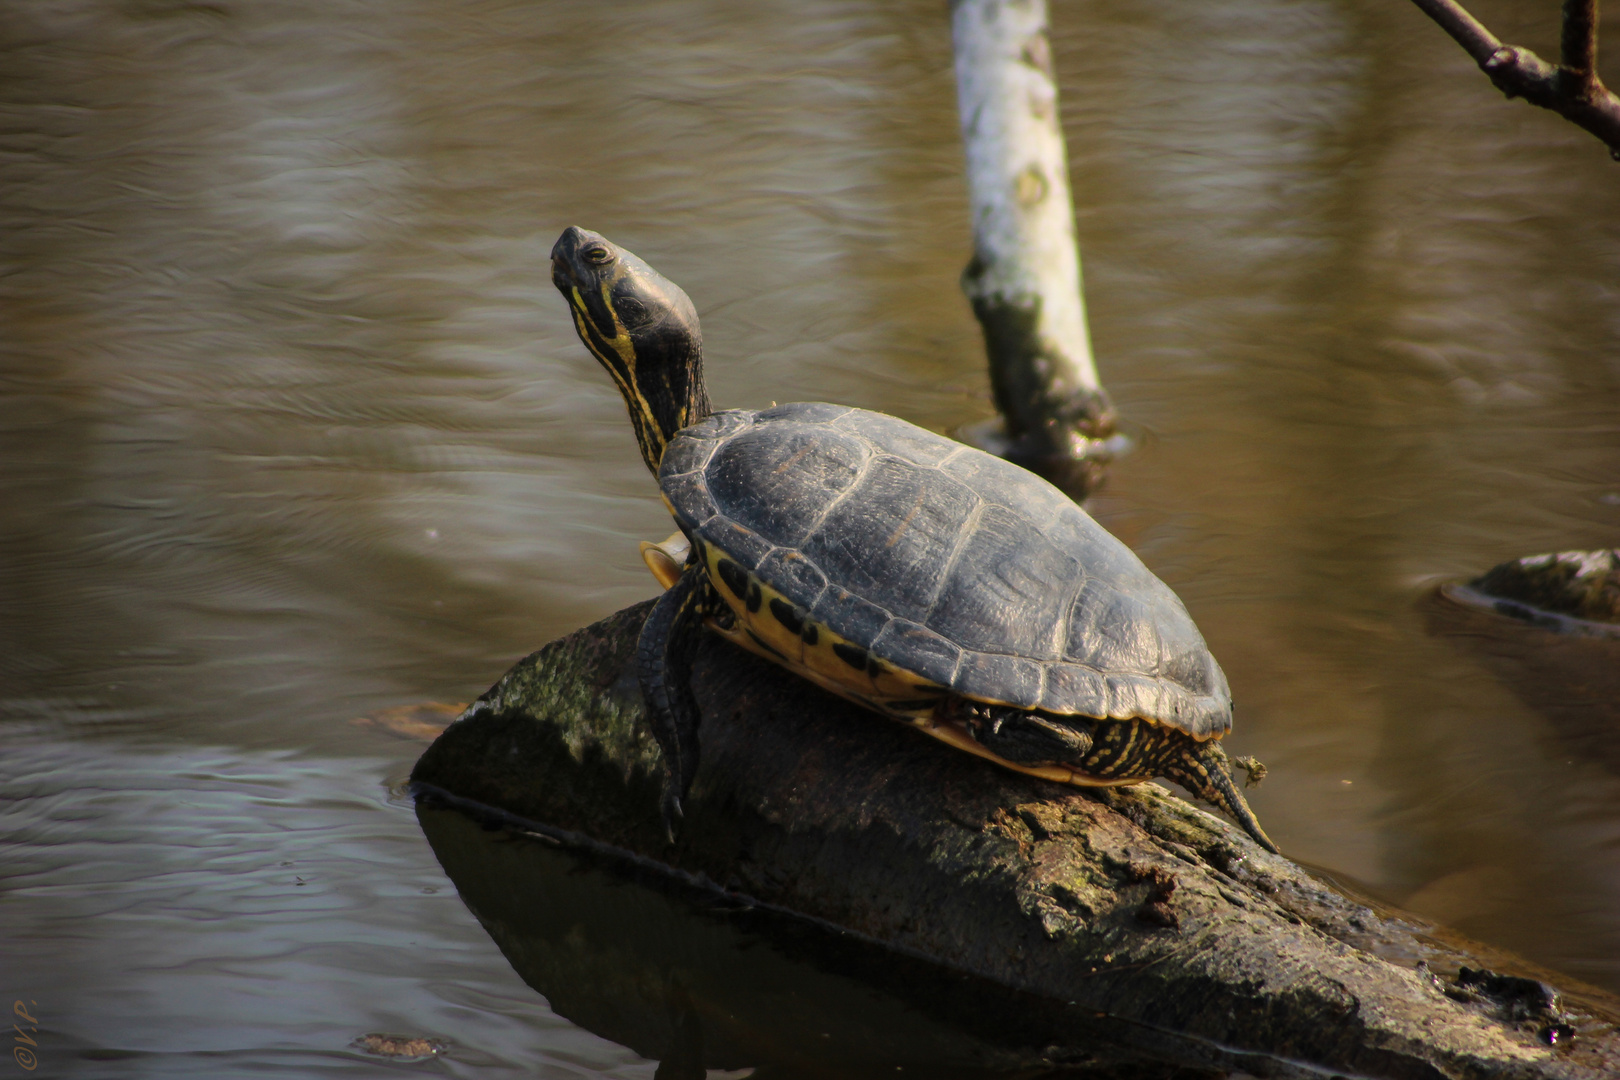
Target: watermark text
[{"x": 25, "y": 1050}]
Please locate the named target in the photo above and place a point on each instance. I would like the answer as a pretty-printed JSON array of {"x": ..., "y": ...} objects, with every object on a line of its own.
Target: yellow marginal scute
[
  {"x": 809, "y": 648},
  {"x": 878, "y": 686}
]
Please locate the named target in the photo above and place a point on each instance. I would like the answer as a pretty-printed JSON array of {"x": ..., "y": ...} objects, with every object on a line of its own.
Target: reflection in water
[
  {"x": 679, "y": 971},
  {"x": 1572, "y": 679},
  {"x": 1571, "y": 686},
  {"x": 294, "y": 427},
  {"x": 679, "y": 978}
]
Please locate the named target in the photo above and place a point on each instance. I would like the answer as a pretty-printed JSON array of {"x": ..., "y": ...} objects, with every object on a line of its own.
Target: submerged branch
[{"x": 1024, "y": 278}]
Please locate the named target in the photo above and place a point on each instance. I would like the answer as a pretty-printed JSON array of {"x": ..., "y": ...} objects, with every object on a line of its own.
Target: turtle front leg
[{"x": 664, "y": 655}]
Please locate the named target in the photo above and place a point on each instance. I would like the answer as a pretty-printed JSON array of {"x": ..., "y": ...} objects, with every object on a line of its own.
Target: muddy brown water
[{"x": 294, "y": 428}]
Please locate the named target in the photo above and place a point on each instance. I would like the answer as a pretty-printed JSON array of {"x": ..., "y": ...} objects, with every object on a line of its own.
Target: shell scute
[
  {"x": 1009, "y": 590},
  {"x": 779, "y": 479},
  {"x": 688, "y": 490},
  {"x": 898, "y": 437},
  {"x": 1108, "y": 631},
  {"x": 1010, "y": 680},
  {"x": 1071, "y": 688},
  {"x": 1002, "y": 483},
  {"x": 851, "y": 616},
  {"x": 1127, "y": 696},
  {"x": 926, "y": 653},
  {"x": 803, "y": 412},
  {"x": 891, "y": 539},
  {"x": 1194, "y": 669},
  {"x": 793, "y": 575},
  {"x": 687, "y": 455},
  {"x": 746, "y": 546}
]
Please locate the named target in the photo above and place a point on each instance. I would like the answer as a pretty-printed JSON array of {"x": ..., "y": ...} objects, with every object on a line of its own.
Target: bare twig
[
  {"x": 1572, "y": 89},
  {"x": 1455, "y": 20},
  {"x": 1578, "y": 43}
]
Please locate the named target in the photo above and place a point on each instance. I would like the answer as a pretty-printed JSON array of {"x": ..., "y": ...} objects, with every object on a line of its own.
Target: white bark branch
[{"x": 1024, "y": 280}]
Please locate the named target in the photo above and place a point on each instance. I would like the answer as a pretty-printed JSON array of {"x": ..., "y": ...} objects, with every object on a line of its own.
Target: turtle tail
[{"x": 1205, "y": 772}]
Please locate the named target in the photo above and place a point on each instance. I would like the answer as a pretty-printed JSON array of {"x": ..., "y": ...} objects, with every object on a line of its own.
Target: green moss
[
  {"x": 561, "y": 740},
  {"x": 1580, "y": 584}
]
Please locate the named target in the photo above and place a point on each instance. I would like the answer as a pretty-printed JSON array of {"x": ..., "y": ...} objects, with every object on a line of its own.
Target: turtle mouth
[
  {"x": 560, "y": 276},
  {"x": 563, "y": 255},
  {"x": 562, "y": 269}
]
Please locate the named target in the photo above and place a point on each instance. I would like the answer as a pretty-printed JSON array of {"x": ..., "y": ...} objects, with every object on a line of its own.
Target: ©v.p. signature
[{"x": 24, "y": 1051}]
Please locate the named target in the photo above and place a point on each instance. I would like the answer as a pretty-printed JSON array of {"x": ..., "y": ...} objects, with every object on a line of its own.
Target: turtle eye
[{"x": 596, "y": 255}]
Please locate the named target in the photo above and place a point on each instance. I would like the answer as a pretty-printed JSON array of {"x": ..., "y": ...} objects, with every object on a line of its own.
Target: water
[{"x": 294, "y": 428}]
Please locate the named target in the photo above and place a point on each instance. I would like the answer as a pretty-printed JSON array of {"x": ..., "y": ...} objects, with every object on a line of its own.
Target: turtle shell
[{"x": 960, "y": 568}]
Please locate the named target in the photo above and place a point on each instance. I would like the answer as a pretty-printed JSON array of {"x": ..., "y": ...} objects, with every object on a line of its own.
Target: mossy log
[
  {"x": 1568, "y": 592},
  {"x": 1121, "y": 928}
]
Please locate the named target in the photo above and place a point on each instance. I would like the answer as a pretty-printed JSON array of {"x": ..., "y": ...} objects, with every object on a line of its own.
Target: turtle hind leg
[
  {"x": 664, "y": 655},
  {"x": 1027, "y": 738},
  {"x": 1203, "y": 770}
]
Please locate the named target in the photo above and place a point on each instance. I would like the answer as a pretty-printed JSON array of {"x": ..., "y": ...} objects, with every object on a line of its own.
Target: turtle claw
[{"x": 1218, "y": 789}]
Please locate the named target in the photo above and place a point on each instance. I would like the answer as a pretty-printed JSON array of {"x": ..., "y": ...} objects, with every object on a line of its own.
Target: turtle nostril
[{"x": 567, "y": 243}]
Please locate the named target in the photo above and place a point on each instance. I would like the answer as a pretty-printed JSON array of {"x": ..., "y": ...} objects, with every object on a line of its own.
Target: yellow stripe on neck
[
  {"x": 624, "y": 349},
  {"x": 621, "y": 337}
]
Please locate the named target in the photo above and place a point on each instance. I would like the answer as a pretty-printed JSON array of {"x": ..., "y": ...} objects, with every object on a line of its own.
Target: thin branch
[
  {"x": 1470, "y": 34},
  {"x": 1572, "y": 90},
  {"x": 1578, "y": 43}
]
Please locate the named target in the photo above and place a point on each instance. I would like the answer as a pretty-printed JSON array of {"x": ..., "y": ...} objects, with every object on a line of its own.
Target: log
[
  {"x": 1567, "y": 592},
  {"x": 1112, "y": 929}
]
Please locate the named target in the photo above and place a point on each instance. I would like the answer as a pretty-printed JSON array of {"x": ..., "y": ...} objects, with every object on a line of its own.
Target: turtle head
[{"x": 642, "y": 328}]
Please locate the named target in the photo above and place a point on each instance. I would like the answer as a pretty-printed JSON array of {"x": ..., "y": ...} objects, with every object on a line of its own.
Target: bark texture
[
  {"x": 1130, "y": 929},
  {"x": 1024, "y": 278}
]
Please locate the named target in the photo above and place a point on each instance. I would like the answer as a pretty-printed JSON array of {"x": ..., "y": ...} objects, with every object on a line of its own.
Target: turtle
[{"x": 924, "y": 579}]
